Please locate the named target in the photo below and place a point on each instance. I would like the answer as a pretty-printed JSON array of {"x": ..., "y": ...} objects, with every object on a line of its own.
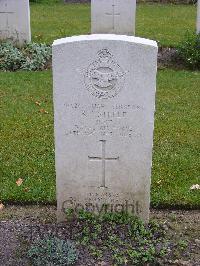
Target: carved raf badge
[{"x": 104, "y": 78}]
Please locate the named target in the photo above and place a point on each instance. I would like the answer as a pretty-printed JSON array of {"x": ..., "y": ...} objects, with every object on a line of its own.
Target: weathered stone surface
[
  {"x": 15, "y": 21},
  {"x": 104, "y": 96},
  {"x": 113, "y": 16}
]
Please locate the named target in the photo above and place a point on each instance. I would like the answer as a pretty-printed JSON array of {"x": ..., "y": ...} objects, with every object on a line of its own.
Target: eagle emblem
[
  {"x": 103, "y": 80},
  {"x": 104, "y": 77}
]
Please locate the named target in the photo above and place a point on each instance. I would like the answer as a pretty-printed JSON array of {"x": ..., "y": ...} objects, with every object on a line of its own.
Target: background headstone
[
  {"x": 15, "y": 21},
  {"x": 104, "y": 96},
  {"x": 198, "y": 16},
  {"x": 113, "y": 16}
]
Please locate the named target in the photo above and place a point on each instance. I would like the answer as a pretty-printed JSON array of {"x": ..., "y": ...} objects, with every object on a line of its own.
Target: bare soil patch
[{"x": 21, "y": 225}]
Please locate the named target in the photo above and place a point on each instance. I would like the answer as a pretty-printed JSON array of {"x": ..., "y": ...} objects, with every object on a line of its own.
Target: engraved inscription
[
  {"x": 104, "y": 121},
  {"x": 113, "y": 14},
  {"x": 103, "y": 159},
  {"x": 104, "y": 78}
]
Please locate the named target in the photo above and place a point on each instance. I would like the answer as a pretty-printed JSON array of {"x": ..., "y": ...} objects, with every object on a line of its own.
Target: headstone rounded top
[{"x": 103, "y": 37}]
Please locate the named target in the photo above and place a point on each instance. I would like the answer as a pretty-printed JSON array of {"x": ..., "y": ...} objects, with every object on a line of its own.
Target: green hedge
[{"x": 188, "y": 51}]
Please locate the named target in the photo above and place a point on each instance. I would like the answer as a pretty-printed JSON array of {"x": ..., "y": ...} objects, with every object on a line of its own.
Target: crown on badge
[{"x": 104, "y": 54}]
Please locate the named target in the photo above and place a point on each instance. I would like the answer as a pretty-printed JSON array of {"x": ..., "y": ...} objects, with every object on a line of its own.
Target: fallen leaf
[
  {"x": 19, "y": 181},
  {"x": 181, "y": 262},
  {"x": 43, "y": 111},
  {"x": 195, "y": 187},
  {"x": 26, "y": 189},
  {"x": 1, "y": 206},
  {"x": 159, "y": 182},
  {"x": 37, "y": 103},
  {"x": 125, "y": 261}
]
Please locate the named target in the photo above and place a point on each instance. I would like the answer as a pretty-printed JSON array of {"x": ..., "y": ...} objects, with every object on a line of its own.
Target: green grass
[
  {"x": 176, "y": 163},
  {"x": 27, "y": 149},
  {"x": 164, "y": 23}
]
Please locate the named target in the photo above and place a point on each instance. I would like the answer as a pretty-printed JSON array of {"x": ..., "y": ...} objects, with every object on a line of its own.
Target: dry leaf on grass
[
  {"x": 1, "y": 206},
  {"x": 37, "y": 103},
  {"x": 195, "y": 187},
  {"x": 43, "y": 111},
  {"x": 19, "y": 181}
]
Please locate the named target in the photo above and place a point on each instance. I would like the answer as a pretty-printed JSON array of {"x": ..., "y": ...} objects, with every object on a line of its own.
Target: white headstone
[
  {"x": 198, "y": 16},
  {"x": 113, "y": 16},
  {"x": 104, "y": 99},
  {"x": 15, "y": 21}
]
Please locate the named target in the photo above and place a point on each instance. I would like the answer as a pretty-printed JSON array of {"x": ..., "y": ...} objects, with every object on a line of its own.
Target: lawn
[
  {"x": 164, "y": 23},
  {"x": 27, "y": 149}
]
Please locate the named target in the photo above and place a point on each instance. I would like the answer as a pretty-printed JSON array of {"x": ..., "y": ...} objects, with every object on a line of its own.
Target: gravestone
[
  {"x": 198, "y": 16},
  {"x": 113, "y": 16},
  {"x": 15, "y": 21},
  {"x": 104, "y": 97}
]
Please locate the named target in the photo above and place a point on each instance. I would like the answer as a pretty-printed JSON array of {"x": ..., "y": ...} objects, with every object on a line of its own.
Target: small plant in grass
[
  {"x": 32, "y": 56},
  {"x": 188, "y": 51},
  {"x": 125, "y": 238},
  {"x": 53, "y": 251},
  {"x": 11, "y": 57}
]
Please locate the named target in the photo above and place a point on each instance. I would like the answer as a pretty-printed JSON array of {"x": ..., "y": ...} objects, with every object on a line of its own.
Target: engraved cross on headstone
[
  {"x": 6, "y": 13},
  {"x": 113, "y": 14},
  {"x": 103, "y": 159}
]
